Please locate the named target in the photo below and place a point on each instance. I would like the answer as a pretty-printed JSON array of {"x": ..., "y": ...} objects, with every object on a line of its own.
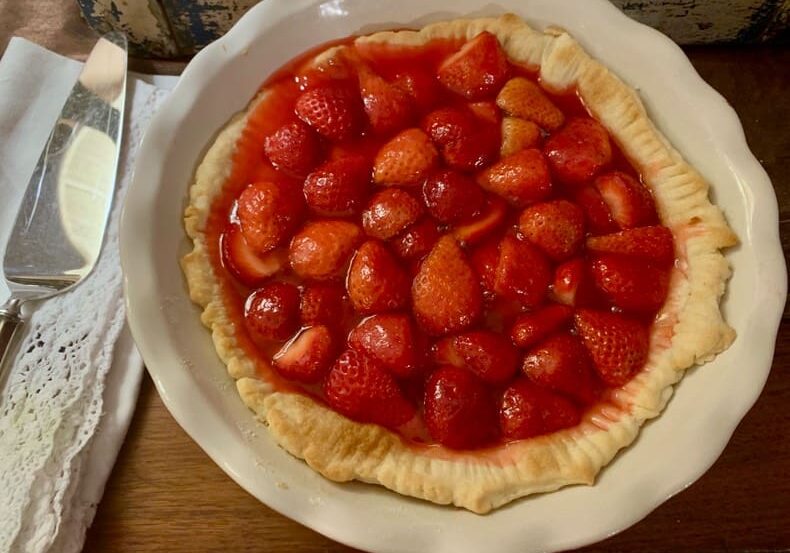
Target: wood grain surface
[{"x": 166, "y": 495}]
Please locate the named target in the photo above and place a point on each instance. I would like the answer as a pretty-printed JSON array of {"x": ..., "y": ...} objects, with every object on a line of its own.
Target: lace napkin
[{"x": 70, "y": 392}]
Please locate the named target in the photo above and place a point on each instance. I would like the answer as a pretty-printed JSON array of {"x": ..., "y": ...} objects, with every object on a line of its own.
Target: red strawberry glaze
[{"x": 250, "y": 165}]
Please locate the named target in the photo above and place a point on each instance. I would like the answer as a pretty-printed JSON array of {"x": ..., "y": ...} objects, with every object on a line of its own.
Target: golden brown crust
[{"x": 690, "y": 327}]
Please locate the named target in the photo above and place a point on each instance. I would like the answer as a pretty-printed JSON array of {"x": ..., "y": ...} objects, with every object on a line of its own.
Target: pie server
[{"x": 61, "y": 221}]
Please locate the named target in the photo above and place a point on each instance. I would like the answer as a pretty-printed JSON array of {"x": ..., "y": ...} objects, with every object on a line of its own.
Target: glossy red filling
[{"x": 426, "y": 239}]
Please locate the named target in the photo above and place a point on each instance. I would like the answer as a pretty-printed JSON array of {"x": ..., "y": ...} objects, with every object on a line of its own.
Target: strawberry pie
[{"x": 460, "y": 262}]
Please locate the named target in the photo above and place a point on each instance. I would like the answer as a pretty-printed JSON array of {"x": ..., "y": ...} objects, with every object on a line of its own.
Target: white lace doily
[{"x": 54, "y": 394}]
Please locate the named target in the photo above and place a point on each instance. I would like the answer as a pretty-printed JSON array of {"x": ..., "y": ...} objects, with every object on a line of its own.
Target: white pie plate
[{"x": 672, "y": 452}]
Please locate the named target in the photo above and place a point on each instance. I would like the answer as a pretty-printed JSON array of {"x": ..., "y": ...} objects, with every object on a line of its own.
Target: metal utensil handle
[{"x": 10, "y": 321}]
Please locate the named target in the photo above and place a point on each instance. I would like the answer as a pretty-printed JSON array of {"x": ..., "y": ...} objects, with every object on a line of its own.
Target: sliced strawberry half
[
  {"x": 390, "y": 339},
  {"x": 629, "y": 201},
  {"x": 333, "y": 111},
  {"x": 522, "y": 98},
  {"x": 526, "y": 410},
  {"x": 459, "y": 410},
  {"x": 561, "y": 363},
  {"x": 555, "y": 227},
  {"x": 339, "y": 186},
  {"x": 521, "y": 178},
  {"x": 531, "y": 328},
  {"x": 417, "y": 240},
  {"x": 578, "y": 151},
  {"x": 272, "y": 311},
  {"x": 361, "y": 389},
  {"x": 478, "y": 229},
  {"x": 451, "y": 196},
  {"x": 523, "y": 273},
  {"x": 518, "y": 134},
  {"x": 293, "y": 148},
  {"x": 445, "y": 293},
  {"x": 618, "y": 345},
  {"x": 597, "y": 213},
  {"x": 376, "y": 282},
  {"x": 573, "y": 284},
  {"x": 477, "y": 70},
  {"x": 248, "y": 267},
  {"x": 321, "y": 304},
  {"x": 322, "y": 248},
  {"x": 653, "y": 243},
  {"x": 489, "y": 355},
  {"x": 307, "y": 357},
  {"x": 630, "y": 284},
  {"x": 405, "y": 160},
  {"x": 389, "y": 212},
  {"x": 269, "y": 213},
  {"x": 388, "y": 108}
]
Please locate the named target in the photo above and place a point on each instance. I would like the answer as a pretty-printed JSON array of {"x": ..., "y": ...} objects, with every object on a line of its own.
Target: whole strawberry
[
  {"x": 293, "y": 148},
  {"x": 477, "y": 70},
  {"x": 334, "y": 112},
  {"x": 389, "y": 212},
  {"x": 523, "y": 273},
  {"x": 269, "y": 213},
  {"x": 527, "y": 410},
  {"x": 321, "y": 304},
  {"x": 339, "y": 186},
  {"x": 390, "y": 339},
  {"x": 272, "y": 311},
  {"x": 376, "y": 282},
  {"x": 530, "y": 328},
  {"x": 361, "y": 389},
  {"x": 451, "y": 196},
  {"x": 416, "y": 240},
  {"x": 630, "y": 284},
  {"x": 445, "y": 293},
  {"x": 578, "y": 151},
  {"x": 489, "y": 355},
  {"x": 448, "y": 124},
  {"x": 322, "y": 248},
  {"x": 405, "y": 160},
  {"x": 459, "y": 410},
  {"x": 618, "y": 345},
  {"x": 521, "y": 178},
  {"x": 388, "y": 108},
  {"x": 556, "y": 227},
  {"x": 522, "y": 98},
  {"x": 561, "y": 363},
  {"x": 518, "y": 134}
]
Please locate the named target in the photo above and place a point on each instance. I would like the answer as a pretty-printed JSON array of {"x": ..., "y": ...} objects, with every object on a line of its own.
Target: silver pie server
[{"x": 60, "y": 226}]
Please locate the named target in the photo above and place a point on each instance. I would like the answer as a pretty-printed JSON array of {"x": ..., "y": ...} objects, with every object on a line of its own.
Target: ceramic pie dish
[{"x": 568, "y": 493}]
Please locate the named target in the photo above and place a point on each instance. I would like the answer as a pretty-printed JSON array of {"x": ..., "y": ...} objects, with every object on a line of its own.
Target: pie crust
[{"x": 689, "y": 329}]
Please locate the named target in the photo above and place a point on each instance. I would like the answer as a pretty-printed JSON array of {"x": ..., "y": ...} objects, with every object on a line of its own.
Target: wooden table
[{"x": 165, "y": 494}]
